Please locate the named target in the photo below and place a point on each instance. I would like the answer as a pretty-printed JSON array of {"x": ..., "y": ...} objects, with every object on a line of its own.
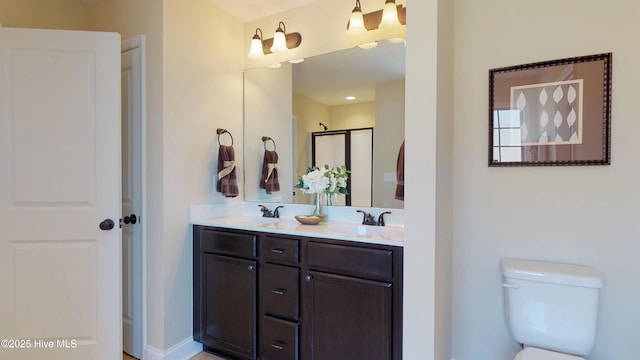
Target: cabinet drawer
[
  {"x": 351, "y": 260},
  {"x": 281, "y": 249},
  {"x": 228, "y": 243},
  {"x": 279, "y": 340},
  {"x": 280, "y": 291}
]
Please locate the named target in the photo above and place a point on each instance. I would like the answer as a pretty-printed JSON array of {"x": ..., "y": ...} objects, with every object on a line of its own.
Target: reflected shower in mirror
[{"x": 341, "y": 91}]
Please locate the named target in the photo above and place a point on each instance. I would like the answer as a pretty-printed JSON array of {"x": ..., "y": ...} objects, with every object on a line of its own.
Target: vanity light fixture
[
  {"x": 280, "y": 42},
  {"x": 389, "y": 21},
  {"x": 350, "y": 98}
]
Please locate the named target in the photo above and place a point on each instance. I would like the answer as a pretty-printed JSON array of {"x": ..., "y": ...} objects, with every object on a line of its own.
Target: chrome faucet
[{"x": 268, "y": 213}]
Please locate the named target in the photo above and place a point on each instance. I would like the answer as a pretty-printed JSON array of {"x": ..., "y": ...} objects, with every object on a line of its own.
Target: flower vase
[
  {"x": 317, "y": 211},
  {"x": 329, "y": 198}
]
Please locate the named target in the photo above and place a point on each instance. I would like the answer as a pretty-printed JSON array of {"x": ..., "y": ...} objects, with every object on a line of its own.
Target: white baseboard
[{"x": 184, "y": 350}]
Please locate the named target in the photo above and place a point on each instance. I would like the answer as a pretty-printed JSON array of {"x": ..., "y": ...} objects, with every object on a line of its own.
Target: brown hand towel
[
  {"x": 227, "y": 179},
  {"x": 400, "y": 174},
  {"x": 269, "y": 180}
]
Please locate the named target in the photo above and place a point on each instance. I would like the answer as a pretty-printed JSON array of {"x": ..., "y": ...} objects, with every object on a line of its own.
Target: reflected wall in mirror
[{"x": 292, "y": 102}]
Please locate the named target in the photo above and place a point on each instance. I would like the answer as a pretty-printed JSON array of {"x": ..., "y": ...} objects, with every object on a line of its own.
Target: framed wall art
[{"x": 551, "y": 113}]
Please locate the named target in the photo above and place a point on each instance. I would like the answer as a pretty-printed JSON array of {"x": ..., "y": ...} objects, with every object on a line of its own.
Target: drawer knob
[
  {"x": 251, "y": 267},
  {"x": 309, "y": 277},
  {"x": 278, "y": 251},
  {"x": 278, "y": 345},
  {"x": 279, "y": 291}
]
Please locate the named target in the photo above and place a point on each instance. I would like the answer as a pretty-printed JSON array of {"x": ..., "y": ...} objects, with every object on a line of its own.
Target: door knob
[
  {"x": 131, "y": 219},
  {"x": 107, "y": 224}
]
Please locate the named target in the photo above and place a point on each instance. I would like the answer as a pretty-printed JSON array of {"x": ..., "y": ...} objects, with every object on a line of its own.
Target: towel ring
[
  {"x": 264, "y": 142},
  {"x": 223, "y": 131}
]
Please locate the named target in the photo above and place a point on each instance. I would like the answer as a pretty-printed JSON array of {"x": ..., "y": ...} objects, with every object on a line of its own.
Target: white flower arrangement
[{"x": 325, "y": 179}]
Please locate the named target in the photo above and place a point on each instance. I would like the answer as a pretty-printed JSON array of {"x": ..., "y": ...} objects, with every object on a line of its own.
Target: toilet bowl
[{"x": 531, "y": 353}]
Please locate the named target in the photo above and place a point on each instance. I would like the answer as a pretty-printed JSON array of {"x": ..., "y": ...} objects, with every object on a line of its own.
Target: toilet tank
[{"x": 551, "y": 305}]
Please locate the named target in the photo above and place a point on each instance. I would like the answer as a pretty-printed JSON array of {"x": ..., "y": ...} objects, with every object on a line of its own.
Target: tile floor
[{"x": 201, "y": 356}]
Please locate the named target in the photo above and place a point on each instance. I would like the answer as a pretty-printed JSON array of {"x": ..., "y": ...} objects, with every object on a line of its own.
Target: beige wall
[
  {"x": 427, "y": 218},
  {"x": 352, "y": 116},
  {"x": 309, "y": 114},
  {"x": 387, "y": 138},
  {"x": 444, "y": 179},
  {"x": 584, "y": 215},
  {"x": 268, "y": 112},
  {"x": 202, "y": 92},
  {"x": 46, "y": 14}
]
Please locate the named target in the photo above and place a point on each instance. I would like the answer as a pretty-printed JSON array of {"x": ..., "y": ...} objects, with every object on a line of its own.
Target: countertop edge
[{"x": 322, "y": 230}]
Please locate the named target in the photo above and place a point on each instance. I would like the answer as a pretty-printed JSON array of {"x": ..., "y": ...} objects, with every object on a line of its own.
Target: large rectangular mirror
[{"x": 292, "y": 104}]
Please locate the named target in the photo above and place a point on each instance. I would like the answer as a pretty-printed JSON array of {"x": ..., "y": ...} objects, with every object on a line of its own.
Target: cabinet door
[
  {"x": 229, "y": 290},
  {"x": 348, "y": 318}
]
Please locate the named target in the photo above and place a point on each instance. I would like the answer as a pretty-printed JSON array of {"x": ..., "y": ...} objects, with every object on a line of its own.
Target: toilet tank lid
[{"x": 552, "y": 272}]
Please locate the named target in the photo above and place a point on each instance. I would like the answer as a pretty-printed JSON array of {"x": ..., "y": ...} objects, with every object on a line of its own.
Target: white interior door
[
  {"x": 132, "y": 197},
  {"x": 60, "y": 273}
]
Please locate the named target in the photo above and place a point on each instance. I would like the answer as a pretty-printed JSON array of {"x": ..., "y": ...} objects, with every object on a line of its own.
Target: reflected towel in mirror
[
  {"x": 400, "y": 174},
  {"x": 269, "y": 179}
]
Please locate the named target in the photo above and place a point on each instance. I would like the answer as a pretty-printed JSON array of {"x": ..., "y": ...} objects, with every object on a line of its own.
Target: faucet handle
[
  {"x": 381, "y": 218},
  {"x": 276, "y": 214}
]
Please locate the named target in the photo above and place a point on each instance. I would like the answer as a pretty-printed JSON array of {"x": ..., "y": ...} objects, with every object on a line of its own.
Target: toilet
[{"x": 551, "y": 308}]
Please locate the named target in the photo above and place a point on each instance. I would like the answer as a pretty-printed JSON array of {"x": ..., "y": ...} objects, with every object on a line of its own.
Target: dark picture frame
[{"x": 551, "y": 113}]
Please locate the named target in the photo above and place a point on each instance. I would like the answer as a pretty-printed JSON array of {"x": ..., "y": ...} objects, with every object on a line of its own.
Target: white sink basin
[{"x": 363, "y": 230}]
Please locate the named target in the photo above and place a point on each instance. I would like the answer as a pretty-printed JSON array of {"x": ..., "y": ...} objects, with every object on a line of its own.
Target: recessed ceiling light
[
  {"x": 275, "y": 65},
  {"x": 350, "y": 98},
  {"x": 296, "y": 61}
]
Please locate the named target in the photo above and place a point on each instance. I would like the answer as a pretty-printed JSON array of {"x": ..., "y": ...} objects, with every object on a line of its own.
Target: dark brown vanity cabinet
[
  {"x": 225, "y": 290},
  {"x": 353, "y": 298},
  {"x": 308, "y": 298}
]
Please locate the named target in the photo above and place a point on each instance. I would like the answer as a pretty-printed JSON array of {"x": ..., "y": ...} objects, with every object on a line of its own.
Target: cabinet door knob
[
  {"x": 251, "y": 267},
  {"x": 309, "y": 277}
]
